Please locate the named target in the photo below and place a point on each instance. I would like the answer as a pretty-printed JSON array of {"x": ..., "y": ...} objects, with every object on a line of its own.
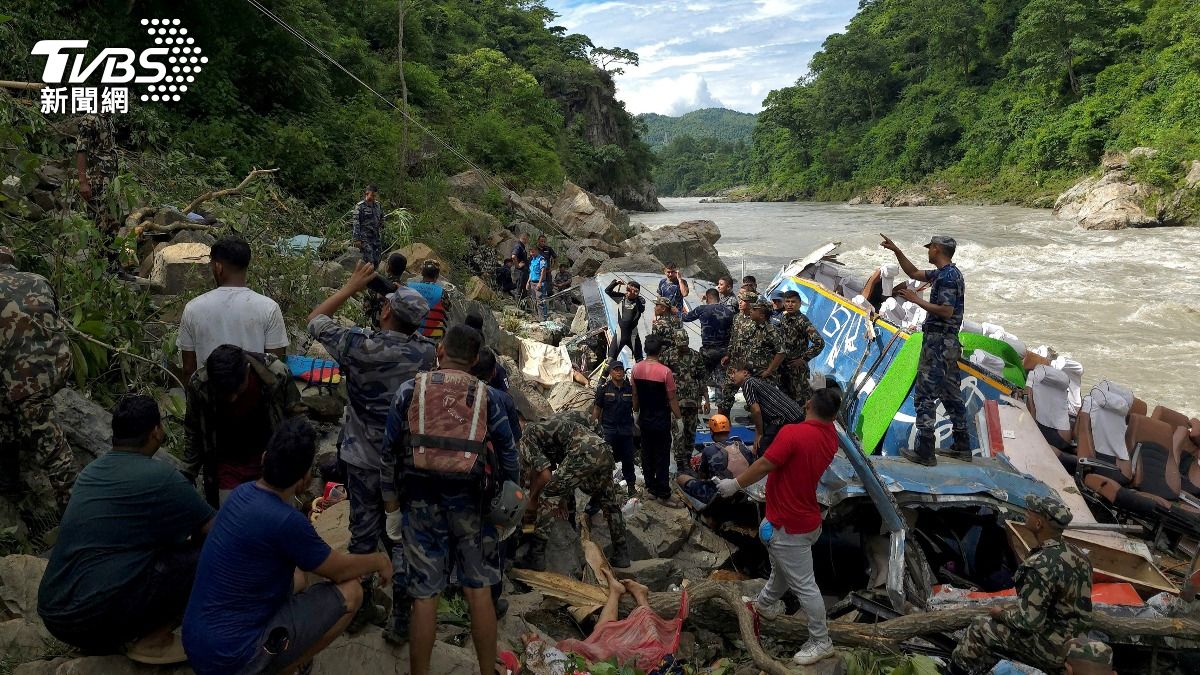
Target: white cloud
[
  {"x": 703, "y": 53},
  {"x": 669, "y": 96}
]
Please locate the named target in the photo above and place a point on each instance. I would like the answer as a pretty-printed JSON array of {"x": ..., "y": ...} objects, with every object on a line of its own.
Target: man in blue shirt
[
  {"x": 250, "y": 611},
  {"x": 716, "y": 325},
  {"x": 440, "y": 516},
  {"x": 937, "y": 373},
  {"x": 613, "y": 409},
  {"x": 673, "y": 287},
  {"x": 538, "y": 276},
  {"x": 127, "y": 547}
]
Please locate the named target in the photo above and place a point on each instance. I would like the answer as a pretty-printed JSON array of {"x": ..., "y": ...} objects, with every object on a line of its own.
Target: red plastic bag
[{"x": 642, "y": 638}]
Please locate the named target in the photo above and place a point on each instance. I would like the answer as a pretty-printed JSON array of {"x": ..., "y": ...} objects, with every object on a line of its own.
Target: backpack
[{"x": 448, "y": 426}]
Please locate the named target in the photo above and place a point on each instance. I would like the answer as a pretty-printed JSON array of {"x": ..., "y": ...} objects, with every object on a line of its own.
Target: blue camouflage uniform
[
  {"x": 445, "y": 529},
  {"x": 716, "y": 329},
  {"x": 938, "y": 374},
  {"x": 375, "y": 364},
  {"x": 368, "y": 228}
]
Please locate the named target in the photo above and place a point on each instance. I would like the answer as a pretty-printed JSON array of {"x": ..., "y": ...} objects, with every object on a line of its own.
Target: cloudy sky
[{"x": 706, "y": 53}]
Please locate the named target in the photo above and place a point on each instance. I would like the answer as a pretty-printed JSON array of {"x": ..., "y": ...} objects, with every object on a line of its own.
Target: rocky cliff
[{"x": 1129, "y": 193}]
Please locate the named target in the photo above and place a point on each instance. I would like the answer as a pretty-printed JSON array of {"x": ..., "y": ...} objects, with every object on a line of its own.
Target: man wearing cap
[
  {"x": 1089, "y": 657},
  {"x": 668, "y": 327},
  {"x": 367, "y": 229},
  {"x": 673, "y": 287},
  {"x": 937, "y": 373},
  {"x": 375, "y": 364},
  {"x": 691, "y": 386},
  {"x": 802, "y": 342},
  {"x": 716, "y": 323},
  {"x": 1054, "y": 599},
  {"x": 740, "y": 326},
  {"x": 613, "y": 409},
  {"x": 36, "y": 465},
  {"x": 436, "y": 296}
]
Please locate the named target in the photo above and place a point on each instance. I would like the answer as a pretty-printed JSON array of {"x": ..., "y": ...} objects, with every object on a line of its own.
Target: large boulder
[
  {"x": 641, "y": 197},
  {"x": 417, "y": 254},
  {"x": 658, "y": 531},
  {"x": 637, "y": 262},
  {"x": 181, "y": 267},
  {"x": 86, "y": 425},
  {"x": 1113, "y": 201},
  {"x": 468, "y": 186},
  {"x": 477, "y": 289},
  {"x": 531, "y": 403},
  {"x": 479, "y": 223},
  {"x": 20, "y": 576},
  {"x": 586, "y": 216},
  {"x": 588, "y": 262},
  {"x": 689, "y": 245}
]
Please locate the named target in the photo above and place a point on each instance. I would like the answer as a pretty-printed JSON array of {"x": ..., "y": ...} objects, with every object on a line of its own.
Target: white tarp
[{"x": 545, "y": 364}]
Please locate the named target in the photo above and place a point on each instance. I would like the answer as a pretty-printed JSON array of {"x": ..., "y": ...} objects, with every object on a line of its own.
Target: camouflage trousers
[
  {"x": 445, "y": 536},
  {"x": 597, "y": 483},
  {"x": 988, "y": 640},
  {"x": 938, "y": 379},
  {"x": 35, "y": 458},
  {"x": 372, "y": 250},
  {"x": 795, "y": 382},
  {"x": 684, "y": 443}
]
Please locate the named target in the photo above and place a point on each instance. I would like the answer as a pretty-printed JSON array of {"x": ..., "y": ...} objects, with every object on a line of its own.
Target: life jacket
[
  {"x": 447, "y": 425},
  {"x": 434, "y": 325}
]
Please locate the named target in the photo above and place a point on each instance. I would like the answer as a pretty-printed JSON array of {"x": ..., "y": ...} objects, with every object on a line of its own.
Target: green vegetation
[
  {"x": 700, "y": 153},
  {"x": 718, "y": 123},
  {"x": 520, "y": 96},
  {"x": 997, "y": 100}
]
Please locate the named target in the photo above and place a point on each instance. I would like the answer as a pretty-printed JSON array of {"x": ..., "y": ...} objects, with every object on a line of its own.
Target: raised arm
[
  {"x": 363, "y": 272},
  {"x": 905, "y": 264}
]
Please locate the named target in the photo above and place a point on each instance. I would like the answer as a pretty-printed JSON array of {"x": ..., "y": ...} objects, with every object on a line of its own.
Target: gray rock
[
  {"x": 531, "y": 403},
  {"x": 1193, "y": 177},
  {"x": 324, "y": 404},
  {"x": 22, "y": 640},
  {"x": 584, "y": 215},
  {"x": 181, "y": 267},
  {"x": 657, "y": 574},
  {"x": 579, "y": 324},
  {"x": 45, "y": 200},
  {"x": 330, "y": 273},
  {"x": 86, "y": 425},
  {"x": 479, "y": 222},
  {"x": 1113, "y": 201},
  {"x": 564, "y": 554},
  {"x": 20, "y": 576},
  {"x": 165, "y": 217},
  {"x": 704, "y": 552},
  {"x": 51, "y": 176},
  {"x": 97, "y": 665},
  {"x": 587, "y": 262},
  {"x": 688, "y": 245},
  {"x": 469, "y": 186},
  {"x": 194, "y": 237},
  {"x": 637, "y": 262},
  {"x": 1142, "y": 153},
  {"x": 570, "y": 396},
  {"x": 657, "y": 531},
  {"x": 349, "y": 259}
]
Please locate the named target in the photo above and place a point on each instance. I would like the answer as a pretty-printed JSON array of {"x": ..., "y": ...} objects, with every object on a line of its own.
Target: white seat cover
[
  {"x": 1107, "y": 405},
  {"x": 1049, "y": 386}
]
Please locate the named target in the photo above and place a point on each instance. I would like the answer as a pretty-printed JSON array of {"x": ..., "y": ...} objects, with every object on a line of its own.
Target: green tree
[
  {"x": 608, "y": 56},
  {"x": 1054, "y": 37}
]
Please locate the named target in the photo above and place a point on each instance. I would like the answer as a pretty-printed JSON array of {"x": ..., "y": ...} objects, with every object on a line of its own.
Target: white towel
[
  {"x": 1107, "y": 405},
  {"x": 1074, "y": 371},
  {"x": 1049, "y": 386}
]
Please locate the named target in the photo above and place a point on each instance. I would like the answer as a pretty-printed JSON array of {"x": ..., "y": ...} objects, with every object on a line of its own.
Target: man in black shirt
[
  {"x": 769, "y": 406},
  {"x": 630, "y": 306},
  {"x": 520, "y": 258},
  {"x": 613, "y": 408}
]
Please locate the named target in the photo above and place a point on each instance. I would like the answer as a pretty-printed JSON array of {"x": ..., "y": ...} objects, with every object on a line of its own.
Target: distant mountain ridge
[{"x": 719, "y": 123}]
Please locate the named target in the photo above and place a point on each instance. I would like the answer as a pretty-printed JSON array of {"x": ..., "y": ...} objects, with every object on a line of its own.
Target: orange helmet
[{"x": 718, "y": 424}]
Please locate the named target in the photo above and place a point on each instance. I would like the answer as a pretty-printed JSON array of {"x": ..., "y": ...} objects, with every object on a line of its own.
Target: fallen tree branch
[
  {"x": 885, "y": 636},
  {"x": 195, "y": 203},
  {"x": 124, "y": 352},
  {"x": 750, "y": 641},
  {"x": 150, "y": 226},
  {"x": 26, "y": 86}
]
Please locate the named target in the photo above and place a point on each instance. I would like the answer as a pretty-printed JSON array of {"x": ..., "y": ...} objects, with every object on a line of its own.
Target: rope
[{"x": 488, "y": 177}]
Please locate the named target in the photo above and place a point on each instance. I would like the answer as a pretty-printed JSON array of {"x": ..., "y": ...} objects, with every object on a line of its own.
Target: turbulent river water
[{"x": 1126, "y": 304}]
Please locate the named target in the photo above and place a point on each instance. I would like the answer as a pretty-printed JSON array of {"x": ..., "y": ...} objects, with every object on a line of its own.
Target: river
[{"x": 1125, "y": 303}]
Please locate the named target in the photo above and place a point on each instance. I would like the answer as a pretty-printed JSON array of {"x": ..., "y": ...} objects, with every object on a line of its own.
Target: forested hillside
[
  {"x": 495, "y": 78},
  {"x": 995, "y": 99},
  {"x": 718, "y": 123}
]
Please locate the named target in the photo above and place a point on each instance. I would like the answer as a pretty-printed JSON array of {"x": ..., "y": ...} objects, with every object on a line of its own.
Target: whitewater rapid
[{"x": 1126, "y": 303}]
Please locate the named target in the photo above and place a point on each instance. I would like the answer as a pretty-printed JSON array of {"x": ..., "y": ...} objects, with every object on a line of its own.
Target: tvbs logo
[{"x": 102, "y": 85}]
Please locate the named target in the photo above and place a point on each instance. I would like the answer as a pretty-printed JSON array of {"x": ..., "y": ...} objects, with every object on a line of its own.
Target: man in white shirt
[{"x": 231, "y": 313}]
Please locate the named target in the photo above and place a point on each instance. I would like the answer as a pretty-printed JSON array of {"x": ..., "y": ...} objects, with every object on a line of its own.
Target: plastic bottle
[
  {"x": 631, "y": 507},
  {"x": 765, "y": 531}
]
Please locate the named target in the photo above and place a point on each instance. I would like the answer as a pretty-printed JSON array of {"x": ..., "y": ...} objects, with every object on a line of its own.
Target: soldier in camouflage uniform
[
  {"x": 1054, "y": 600},
  {"x": 96, "y": 167},
  {"x": 667, "y": 326},
  {"x": 802, "y": 342},
  {"x": 367, "y": 229},
  {"x": 691, "y": 388},
  {"x": 741, "y": 324},
  {"x": 374, "y": 364},
  {"x": 36, "y": 358},
  {"x": 758, "y": 345},
  {"x": 564, "y": 454}
]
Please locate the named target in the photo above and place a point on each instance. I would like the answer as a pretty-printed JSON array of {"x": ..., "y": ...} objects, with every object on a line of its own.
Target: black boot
[
  {"x": 620, "y": 556},
  {"x": 367, "y": 611},
  {"x": 397, "y": 633},
  {"x": 535, "y": 557}
]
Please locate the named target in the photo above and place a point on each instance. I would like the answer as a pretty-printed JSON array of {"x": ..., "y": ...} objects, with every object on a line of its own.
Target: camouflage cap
[
  {"x": 660, "y": 300},
  {"x": 681, "y": 339},
  {"x": 1083, "y": 649},
  {"x": 1054, "y": 510},
  {"x": 408, "y": 305},
  {"x": 945, "y": 242},
  {"x": 748, "y": 296},
  {"x": 764, "y": 304}
]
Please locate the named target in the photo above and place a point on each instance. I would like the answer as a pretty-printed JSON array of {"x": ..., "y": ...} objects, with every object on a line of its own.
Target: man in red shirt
[{"x": 793, "y": 466}]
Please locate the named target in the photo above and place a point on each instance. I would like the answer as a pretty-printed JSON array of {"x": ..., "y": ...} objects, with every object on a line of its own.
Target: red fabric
[
  {"x": 434, "y": 325},
  {"x": 800, "y": 453},
  {"x": 231, "y": 475},
  {"x": 642, "y": 638},
  {"x": 1120, "y": 593}
]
